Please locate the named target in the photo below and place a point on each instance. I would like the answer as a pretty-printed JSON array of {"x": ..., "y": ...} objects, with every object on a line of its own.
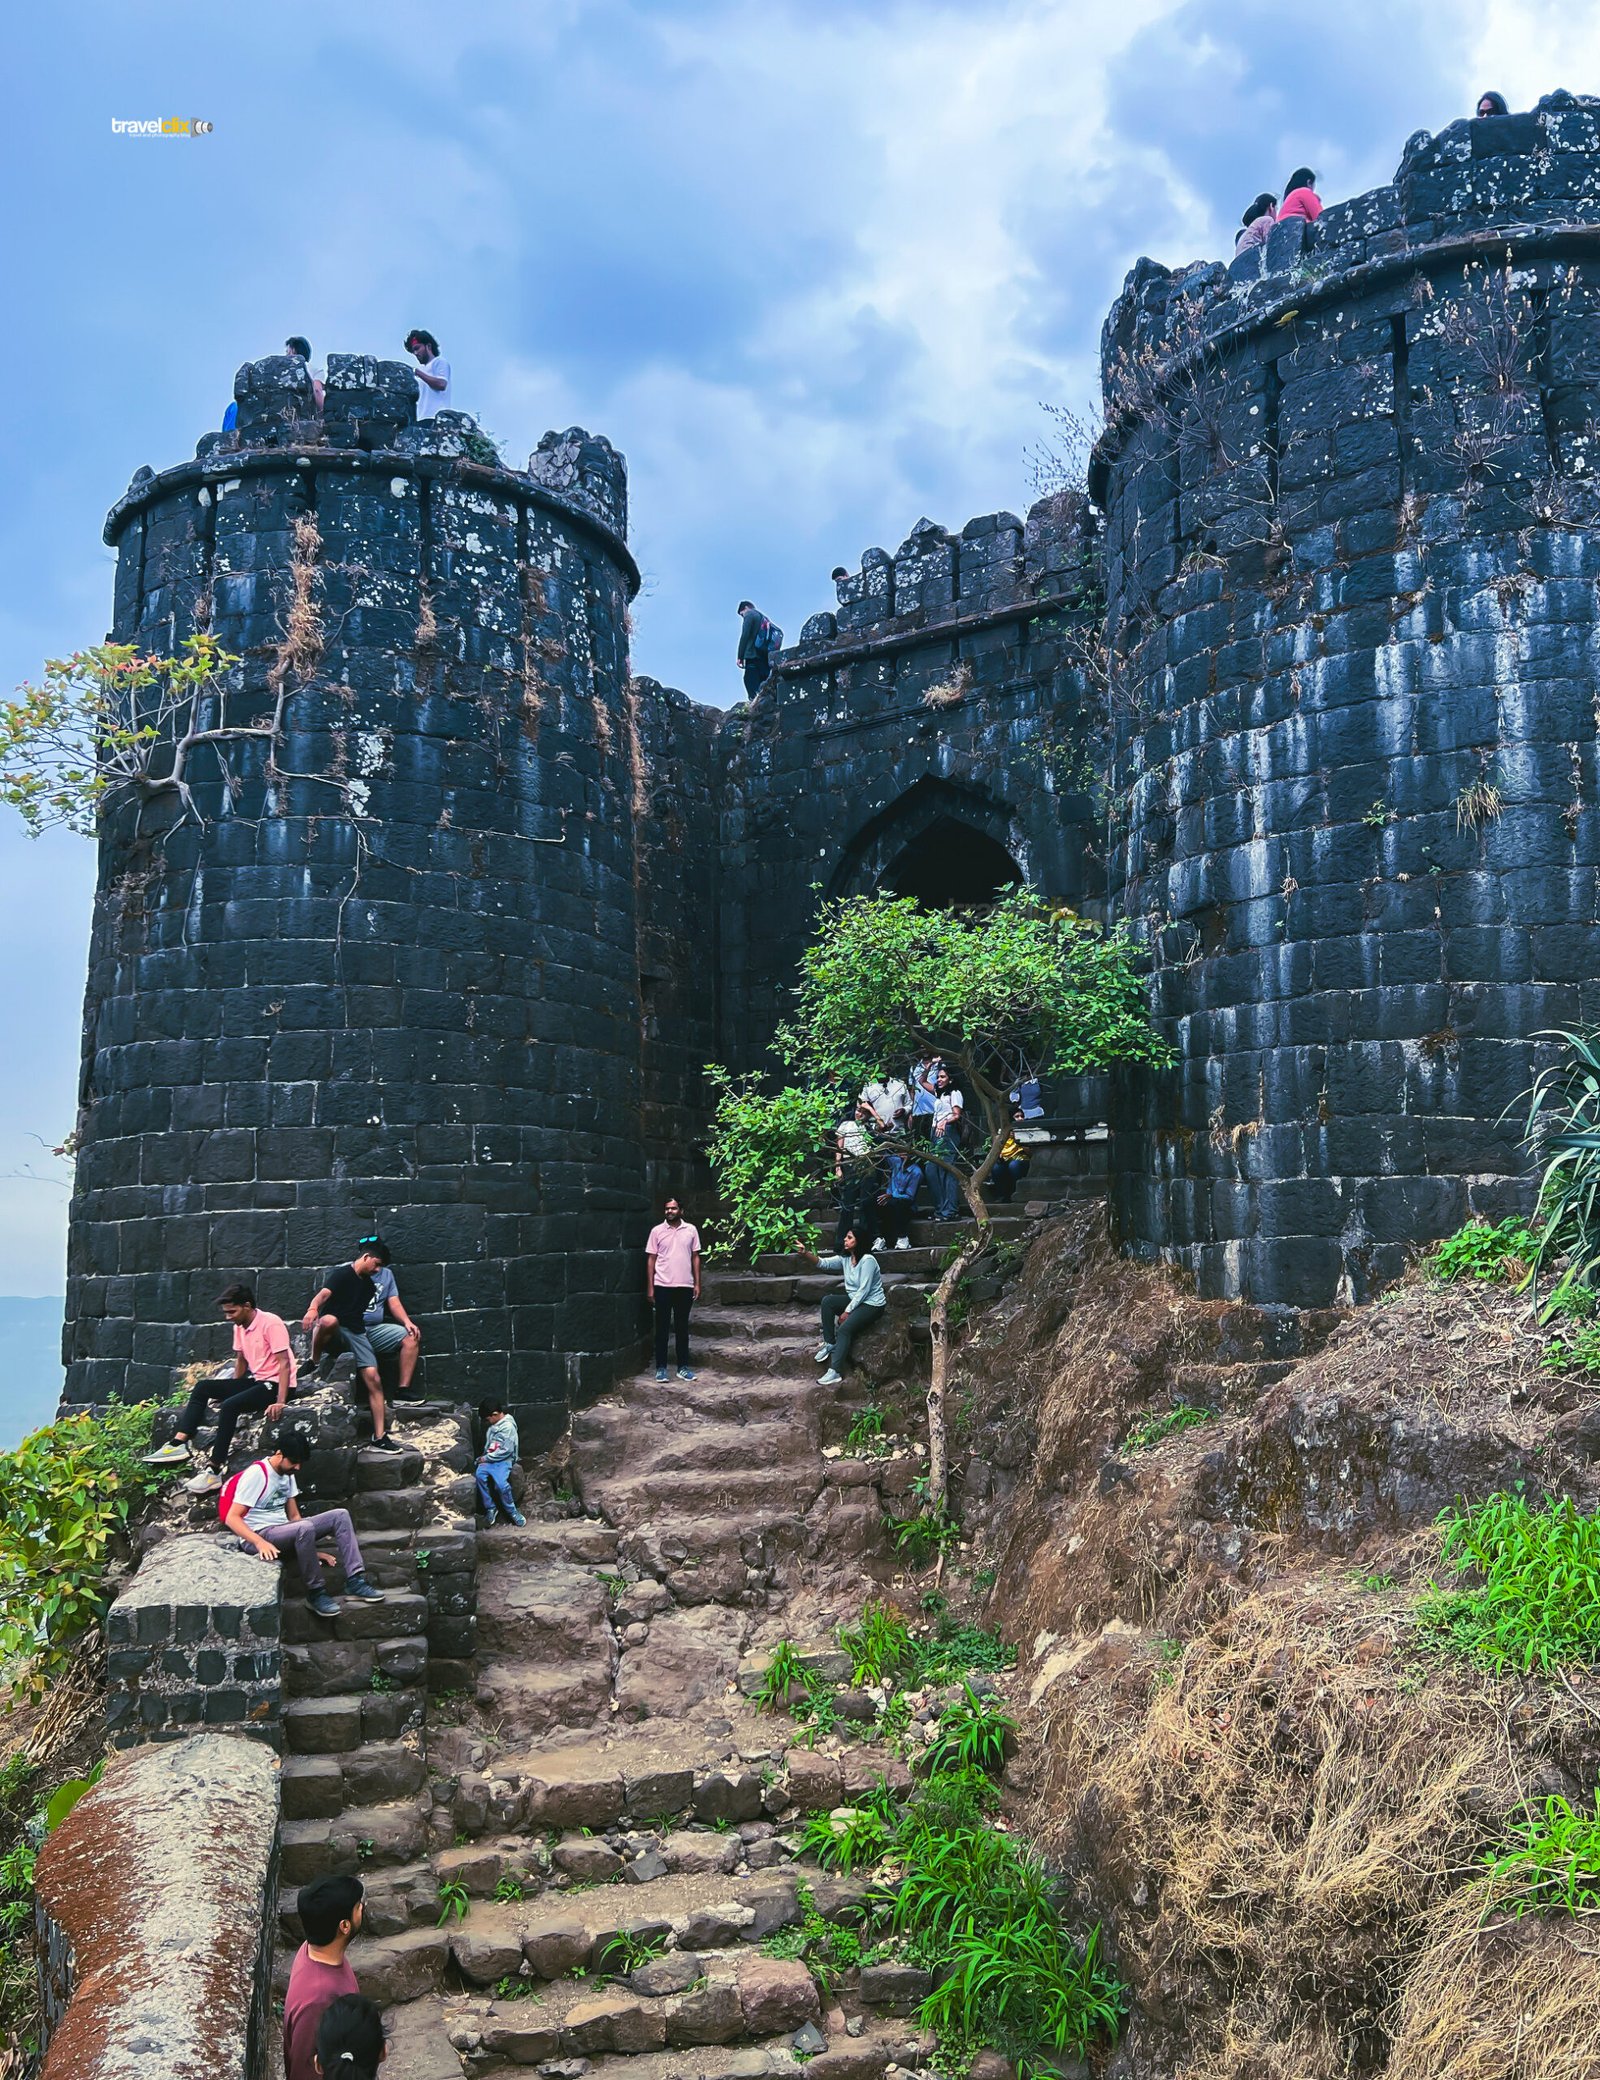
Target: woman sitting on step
[{"x": 850, "y": 1308}]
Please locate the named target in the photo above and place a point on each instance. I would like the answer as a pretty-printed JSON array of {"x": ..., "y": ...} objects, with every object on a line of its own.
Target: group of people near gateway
[{"x": 879, "y": 1175}]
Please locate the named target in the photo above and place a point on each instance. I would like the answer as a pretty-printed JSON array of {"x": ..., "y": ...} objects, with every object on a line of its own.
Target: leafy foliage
[
  {"x": 508, "y": 1889},
  {"x": 880, "y": 1647},
  {"x": 864, "y": 1438},
  {"x": 1183, "y": 1415},
  {"x": 920, "y": 1538},
  {"x": 66, "y": 1493},
  {"x": 627, "y": 1951},
  {"x": 103, "y": 723},
  {"x": 1536, "y": 1601},
  {"x": 454, "y": 1905},
  {"x": 962, "y": 1650},
  {"x": 1483, "y": 1250},
  {"x": 1563, "y": 1131},
  {"x": 784, "y": 1671},
  {"x": 972, "y": 1735},
  {"x": 849, "y": 1838},
  {"x": 827, "y": 1949},
  {"x": 763, "y": 1152},
  {"x": 1553, "y": 1861}
]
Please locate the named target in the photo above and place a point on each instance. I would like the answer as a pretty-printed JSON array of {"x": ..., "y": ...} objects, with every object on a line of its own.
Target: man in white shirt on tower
[{"x": 432, "y": 373}]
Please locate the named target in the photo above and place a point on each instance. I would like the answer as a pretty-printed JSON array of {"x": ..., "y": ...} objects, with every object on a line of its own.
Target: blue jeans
[
  {"x": 494, "y": 1485},
  {"x": 946, "y": 1191}
]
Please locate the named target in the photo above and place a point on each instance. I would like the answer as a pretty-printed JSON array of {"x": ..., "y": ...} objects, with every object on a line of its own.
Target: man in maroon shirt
[{"x": 330, "y": 1913}]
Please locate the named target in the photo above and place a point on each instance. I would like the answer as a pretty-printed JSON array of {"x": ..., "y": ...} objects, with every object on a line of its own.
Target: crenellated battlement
[
  {"x": 1487, "y": 182},
  {"x": 939, "y": 583}
]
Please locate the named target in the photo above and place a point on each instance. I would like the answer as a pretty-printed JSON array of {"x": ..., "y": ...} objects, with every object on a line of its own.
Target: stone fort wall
[
  {"x": 1308, "y": 692},
  {"x": 1351, "y": 575}
]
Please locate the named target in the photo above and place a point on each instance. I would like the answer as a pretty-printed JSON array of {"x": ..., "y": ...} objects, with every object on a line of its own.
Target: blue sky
[{"x": 813, "y": 268}]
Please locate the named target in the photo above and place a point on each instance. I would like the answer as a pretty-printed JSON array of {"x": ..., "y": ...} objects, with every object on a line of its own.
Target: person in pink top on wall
[
  {"x": 1300, "y": 197},
  {"x": 672, "y": 1280}
]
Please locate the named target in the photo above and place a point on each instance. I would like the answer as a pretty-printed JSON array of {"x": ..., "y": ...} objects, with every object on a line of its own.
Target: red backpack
[{"x": 225, "y": 1499}]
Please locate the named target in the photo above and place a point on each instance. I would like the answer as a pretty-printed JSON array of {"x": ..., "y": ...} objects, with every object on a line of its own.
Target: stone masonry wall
[
  {"x": 946, "y": 692},
  {"x": 157, "y": 1895},
  {"x": 385, "y": 974},
  {"x": 1352, "y": 575},
  {"x": 192, "y": 1642}
]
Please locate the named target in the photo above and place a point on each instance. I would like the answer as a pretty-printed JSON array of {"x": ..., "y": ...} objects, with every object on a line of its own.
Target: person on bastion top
[
  {"x": 672, "y": 1283},
  {"x": 300, "y": 347},
  {"x": 259, "y": 1507},
  {"x": 759, "y": 641},
  {"x": 1300, "y": 197},
  {"x": 1258, "y": 220},
  {"x": 330, "y": 1910},
  {"x": 338, "y": 1311},
  {"x": 432, "y": 373},
  {"x": 261, "y": 1383},
  {"x": 350, "y": 2039},
  {"x": 1492, "y": 104}
]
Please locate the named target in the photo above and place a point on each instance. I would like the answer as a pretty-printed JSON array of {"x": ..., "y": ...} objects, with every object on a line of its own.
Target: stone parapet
[{"x": 193, "y": 1641}]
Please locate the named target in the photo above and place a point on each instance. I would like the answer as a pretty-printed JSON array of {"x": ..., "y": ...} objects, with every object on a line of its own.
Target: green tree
[
  {"x": 999, "y": 994},
  {"x": 111, "y": 722}
]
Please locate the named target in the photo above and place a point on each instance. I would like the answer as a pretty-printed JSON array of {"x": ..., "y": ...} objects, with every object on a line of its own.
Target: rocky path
[{"x": 608, "y": 1829}]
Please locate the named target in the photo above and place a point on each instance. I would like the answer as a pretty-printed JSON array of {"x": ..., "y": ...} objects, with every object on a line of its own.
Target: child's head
[
  {"x": 350, "y": 2042},
  {"x": 330, "y": 1907},
  {"x": 491, "y": 1411}
]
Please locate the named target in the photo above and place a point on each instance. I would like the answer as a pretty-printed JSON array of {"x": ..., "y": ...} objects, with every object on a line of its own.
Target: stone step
[
  {"x": 785, "y": 1282},
  {"x": 320, "y": 1787},
  {"x": 710, "y": 1395},
  {"x": 653, "y": 1442},
  {"x": 390, "y": 1509},
  {"x": 335, "y": 1667},
  {"x": 399, "y": 1616},
  {"x": 753, "y": 1495},
  {"x": 340, "y": 1723},
  {"x": 358, "y": 1838},
  {"x": 582, "y": 1540},
  {"x": 528, "y": 1700},
  {"x": 552, "y": 1614},
  {"x": 418, "y": 2043},
  {"x": 719, "y": 1324}
]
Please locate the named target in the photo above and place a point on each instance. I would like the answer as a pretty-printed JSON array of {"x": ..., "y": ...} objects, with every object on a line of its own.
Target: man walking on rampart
[{"x": 759, "y": 642}]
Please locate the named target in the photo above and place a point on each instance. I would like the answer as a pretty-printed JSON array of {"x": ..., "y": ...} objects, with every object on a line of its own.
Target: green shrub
[
  {"x": 848, "y": 1839},
  {"x": 917, "y": 1539},
  {"x": 1576, "y": 1351},
  {"x": 1536, "y": 1600},
  {"x": 1552, "y": 1861},
  {"x": 959, "y": 1650},
  {"x": 1504, "y": 1250},
  {"x": 784, "y": 1670},
  {"x": 824, "y": 1947},
  {"x": 880, "y": 1647},
  {"x": 1181, "y": 1416},
  {"x": 972, "y": 1735},
  {"x": 864, "y": 1438},
  {"x": 454, "y": 1905},
  {"x": 66, "y": 1493}
]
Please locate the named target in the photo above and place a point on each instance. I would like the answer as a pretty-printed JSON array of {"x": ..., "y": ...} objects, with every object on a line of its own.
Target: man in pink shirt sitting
[
  {"x": 672, "y": 1280},
  {"x": 261, "y": 1382}
]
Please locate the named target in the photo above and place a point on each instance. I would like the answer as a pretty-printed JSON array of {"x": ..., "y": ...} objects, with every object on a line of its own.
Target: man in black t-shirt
[{"x": 339, "y": 1310}]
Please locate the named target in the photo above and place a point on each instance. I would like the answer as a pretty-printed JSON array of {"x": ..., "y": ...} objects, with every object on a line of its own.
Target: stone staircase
[{"x": 608, "y": 1829}]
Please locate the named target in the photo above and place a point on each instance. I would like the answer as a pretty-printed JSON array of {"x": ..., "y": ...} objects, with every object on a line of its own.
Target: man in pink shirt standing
[
  {"x": 261, "y": 1382},
  {"x": 672, "y": 1280}
]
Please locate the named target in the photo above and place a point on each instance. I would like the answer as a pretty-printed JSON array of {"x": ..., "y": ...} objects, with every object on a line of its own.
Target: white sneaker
[
  {"x": 168, "y": 1455},
  {"x": 205, "y": 1482},
  {"x": 830, "y": 1379},
  {"x": 904, "y": 1242},
  {"x": 824, "y": 1353}
]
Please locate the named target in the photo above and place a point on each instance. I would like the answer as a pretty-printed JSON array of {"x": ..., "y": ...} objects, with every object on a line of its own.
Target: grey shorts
[
  {"x": 358, "y": 1342},
  {"x": 386, "y": 1336}
]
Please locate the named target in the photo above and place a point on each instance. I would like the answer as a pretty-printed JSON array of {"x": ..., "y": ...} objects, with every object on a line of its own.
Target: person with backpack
[
  {"x": 259, "y": 1506},
  {"x": 261, "y": 1383},
  {"x": 760, "y": 640}
]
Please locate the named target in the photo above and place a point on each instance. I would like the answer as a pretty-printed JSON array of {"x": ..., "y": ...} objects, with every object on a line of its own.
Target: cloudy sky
[{"x": 812, "y": 266}]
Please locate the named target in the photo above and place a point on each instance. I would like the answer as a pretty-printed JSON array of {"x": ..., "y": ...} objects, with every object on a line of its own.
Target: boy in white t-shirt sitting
[{"x": 264, "y": 1514}]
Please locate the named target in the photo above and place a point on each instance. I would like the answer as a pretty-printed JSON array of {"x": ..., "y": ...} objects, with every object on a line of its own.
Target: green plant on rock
[
  {"x": 67, "y": 1494},
  {"x": 1484, "y": 1250},
  {"x": 1552, "y": 1862},
  {"x": 827, "y": 1949},
  {"x": 508, "y": 1889},
  {"x": 518, "y": 1987},
  {"x": 627, "y": 1950},
  {"x": 783, "y": 1672},
  {"x": 454, "y": 1905},
  {"x": 959, "y": 1650},
  {"x": 1183, "y": 1415},
  {"x": 972, "y": 1735},
  {"x": 864, "y": 1438},
  {"x": 880, "y": 1646},
  {"x": 1577, "y": 1350},
  {"x": 923, "y": 1537},
  {"x": 1535, "y": 1599},
  {"x": 850, "y": 1838}
]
